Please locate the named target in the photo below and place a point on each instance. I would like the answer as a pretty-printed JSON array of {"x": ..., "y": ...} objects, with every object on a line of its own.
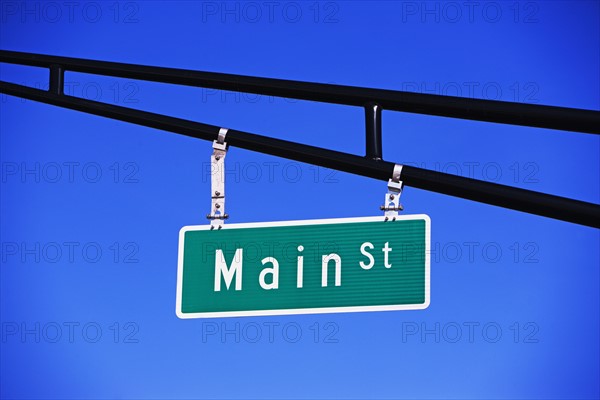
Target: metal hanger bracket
[
  {"x": 217, "y": 214},
  {"x": 392, "y": 197}
]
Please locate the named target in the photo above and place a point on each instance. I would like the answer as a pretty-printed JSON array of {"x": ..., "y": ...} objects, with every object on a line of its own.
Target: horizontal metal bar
[
  {"x": 570, "y": 119},
  {"x": 561, "y": 208}
]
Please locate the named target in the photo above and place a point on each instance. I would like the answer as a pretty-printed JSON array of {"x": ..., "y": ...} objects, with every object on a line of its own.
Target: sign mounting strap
[
  {"x": 217, "y": 214},
  {"x": 392, "y": 197}
]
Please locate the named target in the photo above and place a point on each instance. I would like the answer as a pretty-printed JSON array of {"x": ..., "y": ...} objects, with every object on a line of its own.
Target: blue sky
[{"x": 91, "y": 208}]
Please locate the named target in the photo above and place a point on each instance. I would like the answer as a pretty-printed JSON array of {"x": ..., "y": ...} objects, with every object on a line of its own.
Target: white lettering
[
  {"x": 273, "y": 271},
  {"x": 221, "y": 269},
  {"x": 338, "y": 269},
  {"x": 363, "y": 250},
  {"x": 386, "y": 249},
  {"x": 300, "y": 268}
]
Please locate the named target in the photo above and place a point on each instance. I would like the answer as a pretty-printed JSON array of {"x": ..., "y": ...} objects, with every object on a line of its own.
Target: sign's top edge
[{"x": 381, "y": 218}]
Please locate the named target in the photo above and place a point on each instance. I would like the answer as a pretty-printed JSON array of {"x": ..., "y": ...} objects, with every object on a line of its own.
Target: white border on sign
[{"x": 295, "y": 311}]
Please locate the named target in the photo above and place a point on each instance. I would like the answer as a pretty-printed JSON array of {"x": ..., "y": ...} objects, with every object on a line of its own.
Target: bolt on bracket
[{"x": 392, "y": 197}]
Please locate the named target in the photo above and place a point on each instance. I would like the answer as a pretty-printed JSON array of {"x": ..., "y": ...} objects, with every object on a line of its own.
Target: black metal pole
[
  {"x": 570, "y": 119},
  {"x": 57, "y": 78},
  {"x": 373, "y": 132},
  {"x": 561, "y": 208}
]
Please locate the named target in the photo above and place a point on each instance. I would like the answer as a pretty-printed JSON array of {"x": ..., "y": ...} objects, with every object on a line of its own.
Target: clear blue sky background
[{"x": 88, "y": 263}]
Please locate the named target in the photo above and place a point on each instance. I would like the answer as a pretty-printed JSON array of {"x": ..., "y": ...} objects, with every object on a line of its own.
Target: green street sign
[{"x": 304, "y": 267}]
